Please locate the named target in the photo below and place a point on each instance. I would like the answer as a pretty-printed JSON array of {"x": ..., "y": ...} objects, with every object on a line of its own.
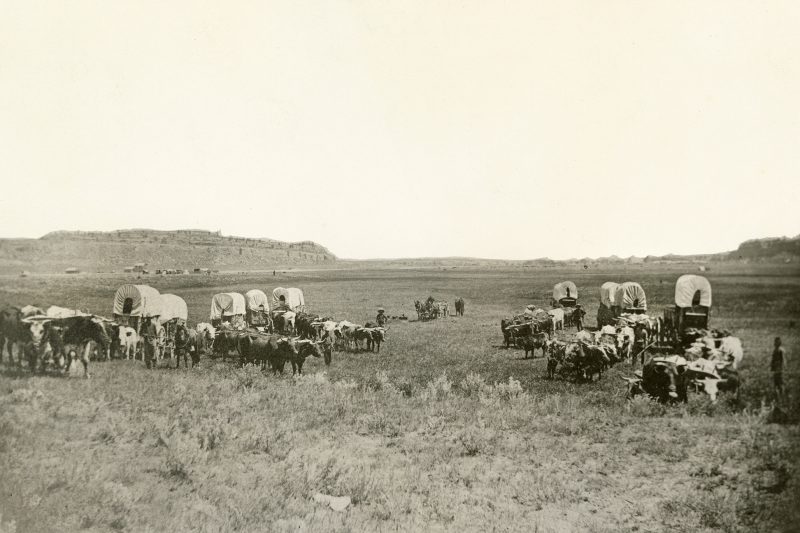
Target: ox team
[{"x": 677, "y": 351}]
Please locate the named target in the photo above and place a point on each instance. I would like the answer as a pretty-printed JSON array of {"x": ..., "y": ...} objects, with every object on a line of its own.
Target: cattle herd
[{"x": 677, "y": 352}]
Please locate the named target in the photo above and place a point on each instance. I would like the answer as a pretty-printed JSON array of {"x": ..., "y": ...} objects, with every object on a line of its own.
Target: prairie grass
[{"x": 443, "y": 430}]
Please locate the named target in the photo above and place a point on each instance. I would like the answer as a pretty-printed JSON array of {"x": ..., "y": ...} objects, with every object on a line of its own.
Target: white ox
[
  {"x": 558, "y": 318},
  {"x": 128, "y": 341}
]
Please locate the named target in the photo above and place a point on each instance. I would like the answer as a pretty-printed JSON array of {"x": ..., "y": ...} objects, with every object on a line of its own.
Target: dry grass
[{"x": 443, "y": 430}]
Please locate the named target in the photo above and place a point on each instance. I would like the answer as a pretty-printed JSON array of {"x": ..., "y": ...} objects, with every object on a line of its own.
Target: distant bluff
[{"x": 186, "y": 249}]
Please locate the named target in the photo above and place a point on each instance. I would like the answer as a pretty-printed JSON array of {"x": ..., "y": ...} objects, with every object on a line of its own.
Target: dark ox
[
  {"x": 187, "y": 344},
  {"x": 65, "y": 340},
  {"x": 663, "y": 378},
  {"x": 668, "y": 379},
  {"x": 297, "y": 350},
  {"x": 556, "y": 352},
  {"x": 274, "y": 351},
  {"x": 13, "y": 333},
  {"x": 586, "y": 360},
  {"x": 531, "y": 343},
  {"x": 460, "y": 306},
  {"x": 226, "y": 340}
]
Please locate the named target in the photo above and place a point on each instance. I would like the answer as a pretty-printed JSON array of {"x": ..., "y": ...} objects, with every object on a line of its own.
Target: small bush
[
  {"x": 438, "y": 389},
  {"x": 7, "y": 527},
  {"x": 247, "y": 376},
  {"x": 317, "y": 378},
  {"x": 507, "y": 391},
  {"x": 472, "y": 385},
  {"x": 23, "y": 396},
  {"x": 345, "y": 385},
  {"x": 643, "y": 406},
  {"x": 476, "y": 440},
  {"x": 701, "y": 405}
]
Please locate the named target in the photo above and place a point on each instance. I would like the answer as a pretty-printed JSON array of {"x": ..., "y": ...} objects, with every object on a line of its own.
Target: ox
[
  {"x": 557, "y": 316},
  {"x": 186, "y": 345},
  {"x": 297, "y": 350},
  {"x": 536, "y": 341},
  {"x": 460, "y": 306},
  {"x": 128, "y": 341}
]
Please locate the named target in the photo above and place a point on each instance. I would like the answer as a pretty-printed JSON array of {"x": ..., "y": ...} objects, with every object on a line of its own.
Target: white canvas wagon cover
[
  {"x": 686, "y": 287},
  {"x": 565, "y": 289},
  {"x": 254, "y": 299},
  {"x": 57, "y": 312},
  {"x": 537, "y": 315},
  {"x": 608, "y": 293},
  {"x": 145, "y": 301},
  {"x": 292, "y": 298},
  {"x": 630, "y": 295},
  {"x": 227, "y": 304},
  {"x": 173, "y": 306}
]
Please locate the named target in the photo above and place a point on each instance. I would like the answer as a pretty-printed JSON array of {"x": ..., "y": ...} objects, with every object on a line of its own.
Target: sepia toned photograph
[{"x": 399, "y": 266}]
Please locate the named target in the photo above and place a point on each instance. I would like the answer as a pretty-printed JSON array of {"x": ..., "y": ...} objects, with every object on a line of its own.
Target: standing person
[
  {"x": 777, "y": 366},
  {"x": 381, "y": 319},
  {"x": 150, "y": 338},
  {"x": 577, "y": 317}
]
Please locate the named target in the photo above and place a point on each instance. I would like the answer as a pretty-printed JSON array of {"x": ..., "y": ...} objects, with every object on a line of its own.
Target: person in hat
[
  {"x": 577, "y": 316},
  {"x": 777, "y": 366},
  {"x": 381, "y": 319},
  {"x": 149, "y": 335}
]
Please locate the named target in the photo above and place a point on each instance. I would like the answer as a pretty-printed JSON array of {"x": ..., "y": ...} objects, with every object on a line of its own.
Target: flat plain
[{"x": 444, "y": 429}]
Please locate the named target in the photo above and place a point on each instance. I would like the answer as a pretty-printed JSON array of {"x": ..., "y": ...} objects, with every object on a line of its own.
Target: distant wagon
[
  {"x": 174, "y": 312},
  {"x": 609, "y": 310},
  {"x": 565, "y": 294},
  {"x": 257, "y": 308},
  {"x": 692, "y": 308},
  {"x": 630, "y": 298},
  {"x": 228, "y": 308},
  {"x": 134, "y": 303}
]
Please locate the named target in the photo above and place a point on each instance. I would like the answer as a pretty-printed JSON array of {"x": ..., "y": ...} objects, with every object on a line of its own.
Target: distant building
[
  {"x": 71, "y": 270},
  {"x": 127, "y": 269}
]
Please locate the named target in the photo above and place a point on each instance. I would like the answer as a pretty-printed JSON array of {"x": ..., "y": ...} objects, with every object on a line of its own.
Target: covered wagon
[
  {"x": 630, "y": 298},
  {"x": 609, "y": 310},
  {"x": 228, "y": 308},
  {"x": 174, "y": 312},
  {"x": 565, "y": 294},
  {"x": 691, "y": 310},
  {"x": 135, "y": 303},
  {"x": 257, "y": 308},
  {"x": 290, "y": 299}
]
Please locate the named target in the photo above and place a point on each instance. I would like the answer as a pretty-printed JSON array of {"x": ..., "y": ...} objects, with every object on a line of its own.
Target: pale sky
[{"x": 409, "y": 128}]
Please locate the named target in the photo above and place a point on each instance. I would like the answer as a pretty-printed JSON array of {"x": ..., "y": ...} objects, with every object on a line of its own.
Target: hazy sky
[{"x": 409, "y": 128}]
